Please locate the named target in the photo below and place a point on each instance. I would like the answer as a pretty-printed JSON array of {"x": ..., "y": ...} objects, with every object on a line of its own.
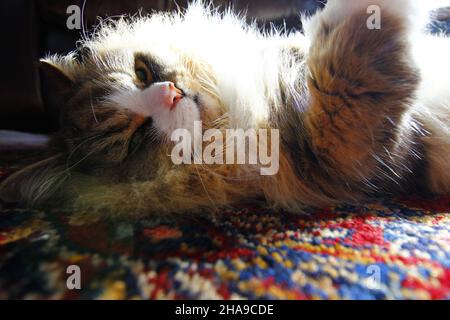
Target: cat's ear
[
  {"x": 36, "y": 183},
  {"x": 57, "y": 79}
]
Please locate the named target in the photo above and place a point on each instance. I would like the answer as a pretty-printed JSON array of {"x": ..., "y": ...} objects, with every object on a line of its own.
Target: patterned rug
[{"x": 389, "y": 249}]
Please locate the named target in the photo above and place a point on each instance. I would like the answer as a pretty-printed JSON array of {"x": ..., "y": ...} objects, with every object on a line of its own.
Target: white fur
[
  {"x": 149, "y": 103},
  {"x": 433, "y": 106}
]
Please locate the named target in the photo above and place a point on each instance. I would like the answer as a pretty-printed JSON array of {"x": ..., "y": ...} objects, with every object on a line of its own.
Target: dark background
[{"x": 30, "y": 29}]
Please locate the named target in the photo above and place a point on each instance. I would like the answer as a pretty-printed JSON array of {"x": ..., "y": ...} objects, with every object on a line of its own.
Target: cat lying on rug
[{"x": 361, "y": 111}]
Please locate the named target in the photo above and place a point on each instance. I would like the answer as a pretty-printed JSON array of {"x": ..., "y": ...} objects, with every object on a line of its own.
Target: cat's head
[
  {"x": 120, "y": 98},
  {"x": 118, "y": 102}
]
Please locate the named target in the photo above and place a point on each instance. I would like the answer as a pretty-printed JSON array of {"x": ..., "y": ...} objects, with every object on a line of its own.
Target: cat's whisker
[
  {"x": 92, "y": 106},
  {"x": 79, "y": 161},
  {"x": 77, "y": 147},
  {"x": 83, "y": 26},
  {"x": 204, "y": 188}
]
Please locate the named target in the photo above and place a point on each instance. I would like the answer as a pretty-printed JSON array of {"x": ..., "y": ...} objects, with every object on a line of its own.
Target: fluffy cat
[{"x": 361, "y": 112}]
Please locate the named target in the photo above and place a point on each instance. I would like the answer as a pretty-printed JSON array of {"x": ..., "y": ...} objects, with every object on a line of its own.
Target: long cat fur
[{"x": 361, "y": 112}]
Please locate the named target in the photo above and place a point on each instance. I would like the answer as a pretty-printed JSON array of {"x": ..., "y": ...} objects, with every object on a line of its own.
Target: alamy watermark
[
  {"x": 231, "y": 146},
  {"x": 373, "y": 281},
  {"x": 75, "y": 14},
  {"x": 374, "y": 20},
  {"x": 73, "y": 22},
  {"x": 73, "y": 281}
]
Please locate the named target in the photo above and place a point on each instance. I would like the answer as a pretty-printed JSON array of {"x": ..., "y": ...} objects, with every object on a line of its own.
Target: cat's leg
[
  {"x": 362, "y": 83},
  {"x": 435, "y": 117}
]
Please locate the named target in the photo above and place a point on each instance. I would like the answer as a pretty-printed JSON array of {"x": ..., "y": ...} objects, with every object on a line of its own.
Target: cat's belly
[
  {"x": 432, "y": 54},
  {"x": 433, "y": 108}
]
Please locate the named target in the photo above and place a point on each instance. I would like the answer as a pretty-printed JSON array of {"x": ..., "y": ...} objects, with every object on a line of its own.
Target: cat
[{"x": 361, "y": 112}]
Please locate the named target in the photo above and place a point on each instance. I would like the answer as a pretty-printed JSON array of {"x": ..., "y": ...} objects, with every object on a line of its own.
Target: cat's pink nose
[
  {"x": 173, "y": 95},
  {"x": 164, "y": 94}
]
